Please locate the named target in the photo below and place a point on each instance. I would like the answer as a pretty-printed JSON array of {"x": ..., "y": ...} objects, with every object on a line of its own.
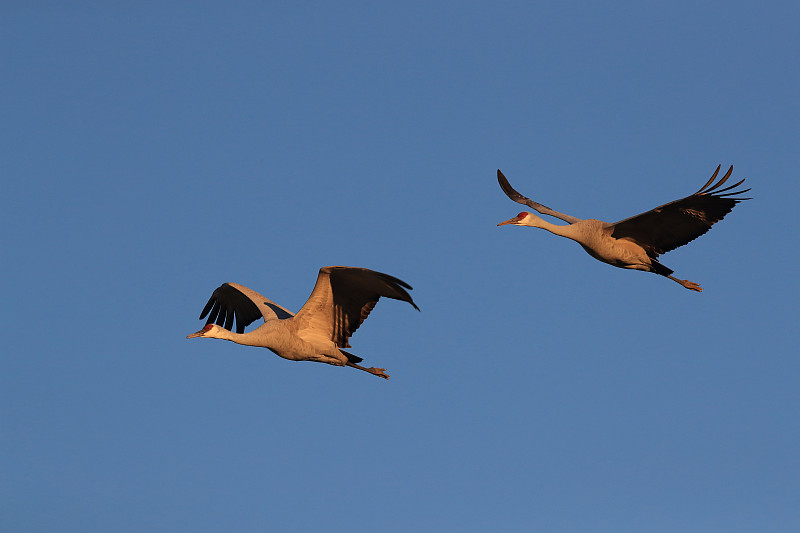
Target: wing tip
[
  {"x": 710, "y": 188},
  {"x": 400, "y": 286}
]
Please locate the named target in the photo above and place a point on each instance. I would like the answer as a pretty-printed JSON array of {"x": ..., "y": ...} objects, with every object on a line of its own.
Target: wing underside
[
  {"x": 233, "y": 303},
  {"x": 672, "y": 225},
  {"x": 343, "y": 298}
]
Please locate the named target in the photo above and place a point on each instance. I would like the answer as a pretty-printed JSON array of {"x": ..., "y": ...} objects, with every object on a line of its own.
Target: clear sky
[{"x": 151, "y": 151}]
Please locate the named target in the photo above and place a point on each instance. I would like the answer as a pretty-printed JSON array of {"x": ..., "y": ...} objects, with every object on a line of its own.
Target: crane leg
[
  {"x": 691, "y": 285},
  {"x": 380, "y": 372}
]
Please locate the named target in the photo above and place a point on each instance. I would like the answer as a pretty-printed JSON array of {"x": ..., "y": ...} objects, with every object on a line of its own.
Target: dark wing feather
[
  {"x": 524, "y": 200},
  {"x": 677, "y": 223},
  {"x": 227, "y": 302},
  {"x": 355, "y": 293},
  {"x": 343, "y": 298}
]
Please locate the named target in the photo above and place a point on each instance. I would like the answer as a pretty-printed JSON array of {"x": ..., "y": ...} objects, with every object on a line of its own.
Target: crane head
[
  {"x": 207, "y": 331},
  {"x": 518, "y": 220}
]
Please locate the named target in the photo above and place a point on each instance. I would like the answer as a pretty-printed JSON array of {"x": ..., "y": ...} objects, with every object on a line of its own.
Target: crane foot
[
  {"x": 692, "y": 286},
  {"x": 380, "y": 372}
]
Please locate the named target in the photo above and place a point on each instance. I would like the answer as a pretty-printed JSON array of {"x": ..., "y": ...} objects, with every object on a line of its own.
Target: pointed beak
[
  {"x": 198, "y": 334},
  {"x": 509, "y": 221}
]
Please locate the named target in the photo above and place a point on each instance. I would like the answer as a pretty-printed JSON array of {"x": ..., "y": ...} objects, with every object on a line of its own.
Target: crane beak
[
  {"x": 509, "y": 221},
  {"x": 198, "y": 334}
]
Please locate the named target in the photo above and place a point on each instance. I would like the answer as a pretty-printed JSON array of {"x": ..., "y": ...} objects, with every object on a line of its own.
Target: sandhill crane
[
  {"x": 341, "y": 300},
  {"x": 637, "y": 242}
]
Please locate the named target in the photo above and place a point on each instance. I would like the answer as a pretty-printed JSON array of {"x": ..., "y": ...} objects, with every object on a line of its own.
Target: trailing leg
[
  {"x": 691, "y": 285},
  {"x": 660, "y": 269},
  {"x": 353, "y": 359},
  {"x": 380, "y": 372}
]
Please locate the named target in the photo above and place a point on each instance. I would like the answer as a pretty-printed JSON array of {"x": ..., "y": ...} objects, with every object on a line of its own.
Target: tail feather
[
  {"x": 658, "y": 268},
  {"x": 352, "y": 358}
]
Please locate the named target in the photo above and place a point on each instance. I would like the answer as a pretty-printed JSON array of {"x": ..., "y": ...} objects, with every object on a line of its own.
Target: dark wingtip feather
[
  {"x": 709, "y": 190},
  {"x": 722, "y": 180},
  {"x": 207, "y": 308},
  {"x": 734, "y": 193},
  {"x": 215, "y": 311},
  {"x": 227, "y": 306},
  {"x": 228, "y": 320},
  {"x": 710, "y": 181},
  {"x": 508, "y": 189},
  {"x": 397, "y": 285},
  {"x": 394, "y": 281},
  {"x": 729, "y": 187}
]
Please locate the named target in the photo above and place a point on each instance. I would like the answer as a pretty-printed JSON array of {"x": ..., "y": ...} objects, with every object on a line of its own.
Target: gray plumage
[
  {"x": 636, "y": 242},
  {"x": 341, "y": 300}
]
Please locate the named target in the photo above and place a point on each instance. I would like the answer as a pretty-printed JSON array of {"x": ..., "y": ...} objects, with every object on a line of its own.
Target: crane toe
[
  {"x": 691, "y": 285},
  {"x": 380, "y": 372}
]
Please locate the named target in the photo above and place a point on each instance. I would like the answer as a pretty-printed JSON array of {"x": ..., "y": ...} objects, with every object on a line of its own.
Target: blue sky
[{"x": 151, "y": 152}]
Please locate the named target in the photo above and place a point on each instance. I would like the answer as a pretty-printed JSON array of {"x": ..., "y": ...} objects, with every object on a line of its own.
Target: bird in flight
[
  {"x": 342, "y": 299},
  {"x": 636, "y": 242}
]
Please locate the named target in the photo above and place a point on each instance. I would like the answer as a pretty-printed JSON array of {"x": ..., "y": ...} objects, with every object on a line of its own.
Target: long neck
[
  {"x": 277, "y": 336},
  {"x": 252, "y": 338},
  {"x": 568, "y": 231}
]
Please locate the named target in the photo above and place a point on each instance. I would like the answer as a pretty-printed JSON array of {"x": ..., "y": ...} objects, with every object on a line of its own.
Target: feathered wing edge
[
  {"x": 679, "y": 222},
  {"x": 343, "y": 298},
  {"x": 517, "y": 197},
  {"x": 705, "y": 190},
  {"x": 356, "y": 292},
  {"x": 232, "y": 301}
]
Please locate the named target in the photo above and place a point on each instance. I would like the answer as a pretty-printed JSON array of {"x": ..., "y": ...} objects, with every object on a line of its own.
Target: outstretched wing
[
  {"x": 231, "y": 300},
  {"x": 517, "y": 197},
  {"x": 343, "y": 298},
  {"x": 677, "y": 223}
]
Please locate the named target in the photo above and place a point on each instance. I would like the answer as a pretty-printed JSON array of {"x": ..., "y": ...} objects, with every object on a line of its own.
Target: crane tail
[
  {"x": 351, "y": 358},
  {"x": 660, "y": 269}
]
